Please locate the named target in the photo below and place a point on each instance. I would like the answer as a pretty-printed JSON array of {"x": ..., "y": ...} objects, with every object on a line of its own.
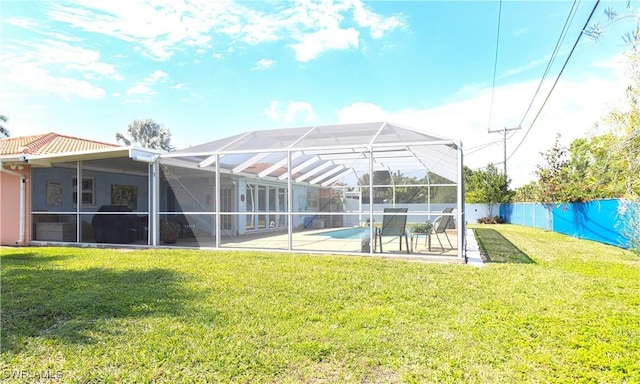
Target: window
[
  {"x": 313, "y": 200},
  {"x": 88, "y": 191}
]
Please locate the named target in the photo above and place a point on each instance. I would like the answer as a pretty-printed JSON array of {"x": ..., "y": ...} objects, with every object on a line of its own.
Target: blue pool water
[{"x": 348, "y": 233}]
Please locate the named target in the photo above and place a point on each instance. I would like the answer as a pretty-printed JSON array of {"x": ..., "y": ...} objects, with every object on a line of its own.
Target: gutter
[{"x": 22, "y": 200}]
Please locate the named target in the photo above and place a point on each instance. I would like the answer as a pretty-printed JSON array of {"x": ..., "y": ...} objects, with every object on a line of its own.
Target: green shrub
[
  {"x": 490, "y": 220},
  {"x": 422, "y": 227}
]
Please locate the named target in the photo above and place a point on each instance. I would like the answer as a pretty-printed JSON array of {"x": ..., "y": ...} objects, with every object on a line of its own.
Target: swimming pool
[{"x": 347, "y": 233}]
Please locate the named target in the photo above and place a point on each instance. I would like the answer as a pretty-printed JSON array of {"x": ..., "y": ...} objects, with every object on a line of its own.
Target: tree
[
  {"x": 401, "y": 189},
  {"x": 487, "y": 186},
  {"x": 4, "y": 132},
  {"x": 553, "y": 174},
  {"x": 148, "y": 134},
  {"x": 528, "y": 193}
]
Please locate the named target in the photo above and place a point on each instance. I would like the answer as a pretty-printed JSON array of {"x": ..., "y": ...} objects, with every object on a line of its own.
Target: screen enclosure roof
[{"x": 326, "y": 155}]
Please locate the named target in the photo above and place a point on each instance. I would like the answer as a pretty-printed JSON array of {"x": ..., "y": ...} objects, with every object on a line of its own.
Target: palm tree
[
  {"x": 148, "y": 134},
  {"x": 4, "y": 132}
]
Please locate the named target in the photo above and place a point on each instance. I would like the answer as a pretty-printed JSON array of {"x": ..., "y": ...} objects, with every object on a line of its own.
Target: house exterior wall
[
  {"x": 10, "y": 206},
  {"x": 103, "y": 182}
]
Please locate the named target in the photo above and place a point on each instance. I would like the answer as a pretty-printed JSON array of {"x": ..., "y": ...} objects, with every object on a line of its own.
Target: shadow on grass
[
  {"x": 73, "y": 305},
  {"x": 497, "y": 249},
  {"x": 30, "y": 258}
]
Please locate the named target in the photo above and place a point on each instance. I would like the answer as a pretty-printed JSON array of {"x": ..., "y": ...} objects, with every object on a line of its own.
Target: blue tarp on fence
[
  {"x": 528, "y": 214},
  {"x": 597, "y": 220}
]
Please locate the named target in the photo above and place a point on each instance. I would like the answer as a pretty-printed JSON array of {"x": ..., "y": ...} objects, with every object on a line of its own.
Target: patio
[{"x": 318, "y": 241}]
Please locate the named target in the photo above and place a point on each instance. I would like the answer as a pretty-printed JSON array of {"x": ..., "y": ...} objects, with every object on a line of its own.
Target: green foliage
[
  {"x": 553, "y": 174},
  {"x": 173, "y": 316},
  {"x": 422, "y": 227},
  {"x": 148, "y": 134},
  {"x": 629, "y": 224},
  {"x": 4, "y": 132},
  {"x": 168, "y": 226},
  {"x": 528, "y": 193},
  {"x": 490, "y": 220},
  {"x": 487, "y": 186},
  {"x": 432, "y": 187}
]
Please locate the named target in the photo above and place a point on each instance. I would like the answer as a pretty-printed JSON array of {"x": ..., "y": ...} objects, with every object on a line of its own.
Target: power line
[
  {"x": 554, "y": 54},
  {"x": 477, "y": 148},
  {"x": 586, "y": 24},
  {"x": 495, "y": 65}
]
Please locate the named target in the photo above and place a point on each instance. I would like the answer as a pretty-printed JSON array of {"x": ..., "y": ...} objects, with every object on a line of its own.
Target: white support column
[
  {"x": 461, "y": 225},
  {"x": 154, "y": 228},
  {"x": 150, "y": 188},
  {"x": 217, "y": 201},
  {"x": 79, "y": 199},
  {"x": 372, "y": 232},
  {"x": 289, "y": 202}
]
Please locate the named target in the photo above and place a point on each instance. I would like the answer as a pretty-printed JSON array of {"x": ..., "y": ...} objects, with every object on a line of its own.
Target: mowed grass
[
  {"x": 497, "y": 249},
  {"x": 172, "y": 316}
]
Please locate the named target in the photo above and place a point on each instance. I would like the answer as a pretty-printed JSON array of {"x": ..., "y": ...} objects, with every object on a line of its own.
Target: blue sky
[{"x": 210, "y": 69}]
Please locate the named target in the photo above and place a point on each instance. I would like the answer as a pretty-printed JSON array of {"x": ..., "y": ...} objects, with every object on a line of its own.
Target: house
[
  {"x": 279, "y": 189},
  {"x": 38, "y": 183}
]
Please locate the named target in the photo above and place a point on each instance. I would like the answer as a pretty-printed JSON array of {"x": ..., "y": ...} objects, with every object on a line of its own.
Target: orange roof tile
[{"x": 48, "y": 143}]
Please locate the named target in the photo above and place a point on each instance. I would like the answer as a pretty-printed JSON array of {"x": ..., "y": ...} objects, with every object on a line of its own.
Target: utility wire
[
  {"x": 586, "y": 24},
  {"x": 471, "y": 150},
  {"x": 554, "y": 54},
  {"x": 495, "y": 66}
]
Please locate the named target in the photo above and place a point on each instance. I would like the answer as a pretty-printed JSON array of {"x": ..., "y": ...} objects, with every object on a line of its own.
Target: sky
[{"x": 210, "y": 69}]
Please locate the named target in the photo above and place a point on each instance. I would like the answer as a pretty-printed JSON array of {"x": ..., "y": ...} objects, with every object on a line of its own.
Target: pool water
[{"x": 348, "y": 233}]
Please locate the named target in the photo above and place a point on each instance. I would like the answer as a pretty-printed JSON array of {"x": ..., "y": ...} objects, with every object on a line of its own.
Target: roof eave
[{"x": 129, "y": 151}]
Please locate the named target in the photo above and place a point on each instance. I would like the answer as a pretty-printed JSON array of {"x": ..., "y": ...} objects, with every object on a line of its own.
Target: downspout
[{"x": 22, "y": 201}]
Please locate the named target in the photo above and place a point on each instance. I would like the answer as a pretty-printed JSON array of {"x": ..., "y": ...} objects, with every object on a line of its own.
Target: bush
[
  {"x": 422, "y": 227},
  {"x": 490, "y": 220}
]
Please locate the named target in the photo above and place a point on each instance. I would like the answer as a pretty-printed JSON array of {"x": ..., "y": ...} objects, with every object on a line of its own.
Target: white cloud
[
  {"x": 140, "y": 89},
  {"x": 159, "y": 29},
  {"x": 263, "y": 64},
  {"x": 317, "y": 27},
  {"x": 22, "y": 22},
  {"x": 361, "y": 111},
  {"x": 294, "y": 111},
  {"x": 144, "y": 87},
  {"x": 272, "y": 111},
  {"x": 523, "y": 68},
  {"x": 299, "y": 108},
  {"x": 377, "y": 24},
  {"x": 56, "y": 67},
  {"x": 313, "y": 44},
  {"x": 156, "y": 76}
]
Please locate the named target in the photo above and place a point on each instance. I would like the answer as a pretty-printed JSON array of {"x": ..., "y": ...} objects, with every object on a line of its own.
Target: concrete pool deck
[{"x": 317, "y": 241}]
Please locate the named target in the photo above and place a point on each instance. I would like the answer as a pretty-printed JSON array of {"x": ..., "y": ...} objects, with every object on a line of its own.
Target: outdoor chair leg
[
  {"x": 438, "y": 237},
  {"x": 451, "y": 245},
  {"x": 406, "y": 242}
]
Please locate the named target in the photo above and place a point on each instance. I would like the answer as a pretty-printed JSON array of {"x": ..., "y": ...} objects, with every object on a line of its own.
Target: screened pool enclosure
[{"x": 313, "y": 189}]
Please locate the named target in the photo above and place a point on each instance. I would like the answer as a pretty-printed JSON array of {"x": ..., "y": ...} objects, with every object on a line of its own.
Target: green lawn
[{"x": 570, "y": 315}]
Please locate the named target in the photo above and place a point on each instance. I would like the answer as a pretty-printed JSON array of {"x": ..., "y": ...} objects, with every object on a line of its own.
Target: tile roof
[{"x": 48, "y": 143}]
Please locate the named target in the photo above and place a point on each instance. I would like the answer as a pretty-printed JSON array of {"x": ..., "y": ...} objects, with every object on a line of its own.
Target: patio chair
[
  {"x": 440, "y": 225},
  {"x": 393, "y": 225}
]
